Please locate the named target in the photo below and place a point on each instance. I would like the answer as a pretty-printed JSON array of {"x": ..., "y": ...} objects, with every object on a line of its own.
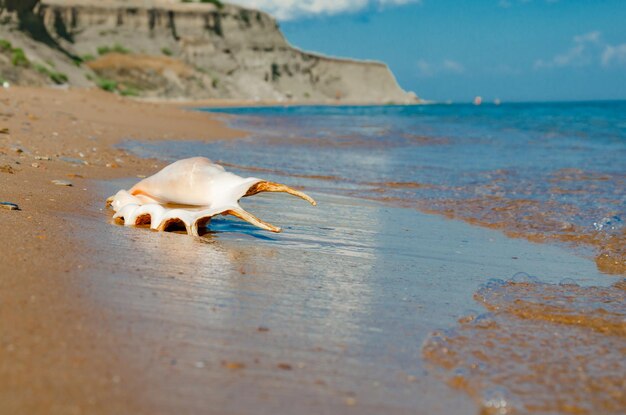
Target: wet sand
[
  {"x": 328, "y": 317},
  {"x": 541, "y": 348}
]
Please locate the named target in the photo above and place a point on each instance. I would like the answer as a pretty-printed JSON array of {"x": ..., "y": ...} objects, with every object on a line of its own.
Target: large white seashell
[{"x": 190, "y": 192}]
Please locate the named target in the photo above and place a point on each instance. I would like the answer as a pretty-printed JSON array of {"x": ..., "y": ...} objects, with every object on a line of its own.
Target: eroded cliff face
[{"x": 165, "y": 48}]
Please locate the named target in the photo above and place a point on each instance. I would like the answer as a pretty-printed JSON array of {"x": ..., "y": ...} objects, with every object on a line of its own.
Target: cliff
[{"x": 166, "y": 48}]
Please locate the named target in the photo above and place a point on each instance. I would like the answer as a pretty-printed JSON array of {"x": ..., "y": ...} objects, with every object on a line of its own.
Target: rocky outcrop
[{"x": 196, "y": 51}]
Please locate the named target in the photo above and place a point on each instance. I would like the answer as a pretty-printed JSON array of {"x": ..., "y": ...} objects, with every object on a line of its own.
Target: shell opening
[
  {"x": 173, "y": 225},
  {"x": 144, "y": 219},
  {"x": 200, "y": 227}
]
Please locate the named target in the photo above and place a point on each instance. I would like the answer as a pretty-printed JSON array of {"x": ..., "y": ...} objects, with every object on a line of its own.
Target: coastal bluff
[{"x": 187, "y": 51}]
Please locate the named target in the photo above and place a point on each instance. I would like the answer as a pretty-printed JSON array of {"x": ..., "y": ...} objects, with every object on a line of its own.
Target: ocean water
[
  {"x": 415, "y": 303},
  {"x": 544, "y": 171}
]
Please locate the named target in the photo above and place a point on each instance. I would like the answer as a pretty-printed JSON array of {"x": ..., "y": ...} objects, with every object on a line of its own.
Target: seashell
[{"x": 190, "y": 192}]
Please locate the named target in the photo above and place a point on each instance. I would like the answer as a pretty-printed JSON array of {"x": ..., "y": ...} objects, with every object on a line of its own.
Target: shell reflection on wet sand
[{"x": 542, "y": 348}]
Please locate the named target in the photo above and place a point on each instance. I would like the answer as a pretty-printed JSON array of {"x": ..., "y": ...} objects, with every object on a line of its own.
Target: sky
[{"x": 513, "y": 50}]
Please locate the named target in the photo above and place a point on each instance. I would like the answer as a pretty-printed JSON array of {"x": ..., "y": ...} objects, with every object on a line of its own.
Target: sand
[
  {"x": 327, "y": 317},
  {"x": 53, "y": 360}
]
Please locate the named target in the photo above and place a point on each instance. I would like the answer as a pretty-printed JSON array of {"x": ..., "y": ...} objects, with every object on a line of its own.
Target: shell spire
[{"x": 188, "y": 193}]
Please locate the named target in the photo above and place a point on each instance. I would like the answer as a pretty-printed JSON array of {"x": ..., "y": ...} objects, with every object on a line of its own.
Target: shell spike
[
  {"x": 250, "y": 218},
  {"x": 265, "y": 186}
]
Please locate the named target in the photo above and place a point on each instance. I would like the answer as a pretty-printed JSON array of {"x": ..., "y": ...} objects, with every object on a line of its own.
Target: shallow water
[
  {"x": 542, "y": 171},
  {"x": 357, "y": 289},
  {"x": 541, "y": 348},
  {"x": 328, "y": 316}
]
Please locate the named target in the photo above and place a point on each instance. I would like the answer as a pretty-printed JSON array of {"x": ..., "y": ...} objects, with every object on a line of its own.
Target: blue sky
[{"x": 515, "y": 50}]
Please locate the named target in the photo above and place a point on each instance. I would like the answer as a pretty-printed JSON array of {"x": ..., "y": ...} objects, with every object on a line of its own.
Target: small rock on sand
[
  {"x": 233, "y": 365},
  {"x": 6, "y": 169},
  {"x": 62, "y": 183},
  {"x": 9, "y": 206},
  {"x": 350, "y": 401}
]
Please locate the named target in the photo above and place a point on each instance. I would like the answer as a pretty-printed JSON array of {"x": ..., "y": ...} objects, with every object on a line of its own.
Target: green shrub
[
  {"x": 87, "y": 57},
  {"x": 103, "y": 50},
  {"x": 129, "y": 92},
  {"x": 40, "y": 68},
  {"x": 120, "y": 49},
  {"x": 5, "y": 45},
  {"x": 216, "y": 3},
  {"x": 19, "y": 58},
  {"x": 117, "y": 48},
  {"x": 56, "y": 77},
  {"x": 107, "y": 84},
  {"x": 113, "y": 86},
  {"x": 167, "y": 51}
]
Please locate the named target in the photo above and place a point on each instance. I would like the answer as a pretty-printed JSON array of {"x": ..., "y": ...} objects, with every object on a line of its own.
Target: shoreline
[
  {"x": 242, "y": 103},
  {"x": 108, "y": 319}
]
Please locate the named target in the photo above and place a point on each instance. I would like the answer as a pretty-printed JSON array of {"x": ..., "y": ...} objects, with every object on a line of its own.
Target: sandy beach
[
  {"x": 282, "y": 207},
  {"x": 61, "y": 361},
  {"x": 327, "y": 317}
]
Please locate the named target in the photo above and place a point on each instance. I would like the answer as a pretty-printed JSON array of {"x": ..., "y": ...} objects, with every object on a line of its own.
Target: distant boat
[
  {"x": 497, "y": 101},
  {"x": 478, "y": 100}
]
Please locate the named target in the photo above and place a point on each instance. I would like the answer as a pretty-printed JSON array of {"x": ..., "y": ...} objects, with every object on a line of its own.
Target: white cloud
[
  {"x": 506, "y": 4},
  {"x": 587, "y": 49},
  {"x": 579, "y": 54},
  {"x": 292, "y": 9},
  {"x": 614, "y": 54},
  {"x": 591, "y": 37},
  {"x": 453, "y": 66},
  {"x": 427, "y": 69}
]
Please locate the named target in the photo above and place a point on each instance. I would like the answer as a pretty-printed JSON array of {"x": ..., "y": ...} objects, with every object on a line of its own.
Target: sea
[
  {"x": 544, "y": 171},
  {"x": 479, "y": 249}
]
